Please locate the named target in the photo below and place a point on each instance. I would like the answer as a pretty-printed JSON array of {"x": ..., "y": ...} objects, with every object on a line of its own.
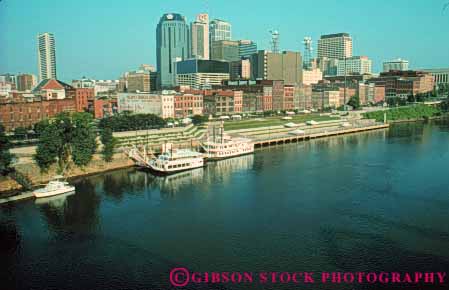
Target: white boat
[
  {"x": 176, "y": 160},
  {"x": 56, "y": 201},
  {"x": 221, "y": 146},
  {"x": 54, "y": 187}
]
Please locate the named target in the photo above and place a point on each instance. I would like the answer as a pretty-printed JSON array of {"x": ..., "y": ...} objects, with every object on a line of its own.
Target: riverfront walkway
[{"x": 314, "y": 134}]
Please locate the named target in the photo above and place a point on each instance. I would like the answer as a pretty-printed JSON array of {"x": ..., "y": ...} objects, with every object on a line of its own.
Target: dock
[
  {"x": 286, "y": 138},
  {"x": 25, "y": 195}
]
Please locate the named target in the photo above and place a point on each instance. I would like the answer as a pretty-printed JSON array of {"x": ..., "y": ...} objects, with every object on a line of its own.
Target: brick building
[
  {"x": 288, "y": 103},
  {"x": 102, "y": 108},
  {"x": 51, "y": 89},
  {"x": 223, "y": 102},
  {"x": 188, "y": 104},
  {"x": 18, "y": 111},
  {"x": 82, "y": 95},
  {"x": 404, "y": 83}
]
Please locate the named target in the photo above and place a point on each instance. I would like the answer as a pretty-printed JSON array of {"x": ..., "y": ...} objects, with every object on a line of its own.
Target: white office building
[
  {"x": 337, "y": 46},
  {"x": 356, "y": 65},
  {"x": 146, "y": 103},
  {"x": 46, "y": 56},
  {"x": 396, "y": 64},
  {"x": 220, "y": 30}
]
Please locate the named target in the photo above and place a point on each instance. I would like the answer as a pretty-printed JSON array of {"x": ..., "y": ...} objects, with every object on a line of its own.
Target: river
[{"x": 374, "y": 201}]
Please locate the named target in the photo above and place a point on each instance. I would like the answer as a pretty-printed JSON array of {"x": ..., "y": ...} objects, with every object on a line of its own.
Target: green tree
[
  {"x": 109, "y": 142},
  {"x": 83, "y": 139},
  {"x": 411, "y": 98},
  {"x": 5, "y": 155},
  {"x": 198, "y": 119},
  {"x": 129, "y": 122},
  {"x": 20, "y": 133},
  {"x": 66, "y": 138},
  {"x": 40, "y": 126},
  {"x": 354, "y": 102}
]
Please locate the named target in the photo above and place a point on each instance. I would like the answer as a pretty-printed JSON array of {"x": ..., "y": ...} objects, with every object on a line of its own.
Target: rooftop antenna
[
  {"x": 274, "y": 41},
  {"x": 307, "y": 52},
  {"x": 206, "y": 7}
]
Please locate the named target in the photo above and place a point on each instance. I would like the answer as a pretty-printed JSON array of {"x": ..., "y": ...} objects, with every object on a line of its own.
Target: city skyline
[{"x": 92, "y": 49}]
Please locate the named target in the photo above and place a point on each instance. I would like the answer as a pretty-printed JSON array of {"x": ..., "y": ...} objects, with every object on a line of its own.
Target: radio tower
[
  {"x": 307, "y": 63},
  {"x": 274, "y": 41}
]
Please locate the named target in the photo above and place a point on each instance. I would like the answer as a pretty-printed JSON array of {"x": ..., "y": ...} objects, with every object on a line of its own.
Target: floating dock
[{"x": 24, "y": 195}]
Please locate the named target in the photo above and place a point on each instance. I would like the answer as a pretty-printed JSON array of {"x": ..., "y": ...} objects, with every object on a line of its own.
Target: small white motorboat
[{"x": 54, "y": 187}]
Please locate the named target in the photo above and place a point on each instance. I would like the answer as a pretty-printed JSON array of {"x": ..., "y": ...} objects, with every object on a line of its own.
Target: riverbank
[
  {"x": 29, "y": 168},
  {"x": 402, "y": 114},
  {"x": 277, "y": 135},
  {"x": 442, "y": 117}
]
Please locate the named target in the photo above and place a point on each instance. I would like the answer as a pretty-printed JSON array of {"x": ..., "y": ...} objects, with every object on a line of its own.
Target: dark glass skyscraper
[{"x": 172, "y": 44}]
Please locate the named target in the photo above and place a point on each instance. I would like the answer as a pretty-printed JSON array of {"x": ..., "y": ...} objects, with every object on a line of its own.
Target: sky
[{"x": 101, "y": 39}]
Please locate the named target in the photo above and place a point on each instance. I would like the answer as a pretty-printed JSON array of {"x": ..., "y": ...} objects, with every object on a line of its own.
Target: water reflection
[
  {"x": 216, "y": 171},
  {"x": 171, "y": 184},
  {"x": 74, "y": 212},
  {"x": 57, "y": 202}
]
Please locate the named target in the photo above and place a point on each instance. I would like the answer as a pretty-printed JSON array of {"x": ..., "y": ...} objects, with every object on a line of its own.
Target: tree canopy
[
  {"x": 108, "y": 142},
  {"x": 354, "y": 102},
  {"x": 129, "y": 122},
  {"x": 198, "y": 119},
  {"x": 67, "y": 138}
]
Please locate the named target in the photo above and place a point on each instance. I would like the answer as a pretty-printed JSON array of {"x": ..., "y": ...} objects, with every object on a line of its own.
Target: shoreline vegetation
[{"x": 407, "y": 114}]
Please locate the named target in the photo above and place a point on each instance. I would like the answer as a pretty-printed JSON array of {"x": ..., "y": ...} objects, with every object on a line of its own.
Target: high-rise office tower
[
  {"x": 46, "y": 56},
  {"x": 199, "y": 30},
  {"x": 172, "y": 44},
  {"x": 285, "y": 66},
  {"x": 226, "y": 50},
  {"x": 220, "y": 30},
  {"x": 336, "y": 46}
]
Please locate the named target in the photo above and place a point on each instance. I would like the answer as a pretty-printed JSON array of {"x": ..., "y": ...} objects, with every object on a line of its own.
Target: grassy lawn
[
  {"x": 274, "y": 121},
  {"x": 404, "y": 113}
]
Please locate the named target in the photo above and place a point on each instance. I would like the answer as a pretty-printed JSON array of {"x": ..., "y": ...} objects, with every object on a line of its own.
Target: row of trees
[{"x": 129, "y": 122}]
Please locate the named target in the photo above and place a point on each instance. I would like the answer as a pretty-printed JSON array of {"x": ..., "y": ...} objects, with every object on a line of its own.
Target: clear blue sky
[{"x": 103, "y": 38}]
